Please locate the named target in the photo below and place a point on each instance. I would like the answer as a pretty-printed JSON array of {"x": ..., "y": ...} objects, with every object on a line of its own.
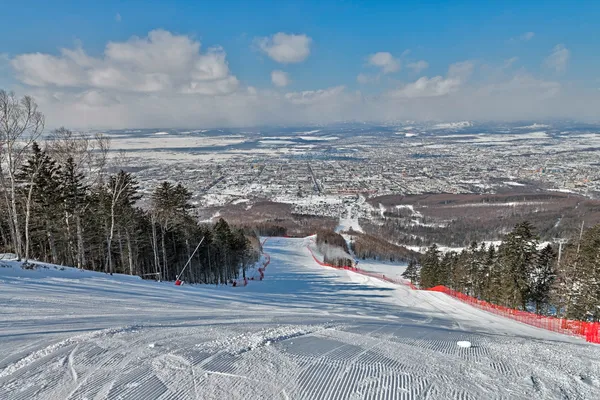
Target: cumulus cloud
[
  {"x": 159, "y": 63},
  {"x": 558, "y": 59},
  {"x": 385, "y": 61},
  {"x": 280, "y": 78},
  {"x": 285, "y": 48},
  {"x": 418, "y": 66},
  {"x": 313, "y": 96},
  {"x": 427, "y": 87},
  {"x": 165, "y": 79},
  {"x": 436, "y": 86}
]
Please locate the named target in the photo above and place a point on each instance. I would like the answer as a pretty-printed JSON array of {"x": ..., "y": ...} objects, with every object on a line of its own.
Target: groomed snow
[{"x": 305, "y": 332}]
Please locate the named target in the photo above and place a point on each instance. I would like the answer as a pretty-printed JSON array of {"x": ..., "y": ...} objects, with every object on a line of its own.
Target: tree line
[
  {"x": 521, "y": 274},
  {"x": 61, "y": 205}
]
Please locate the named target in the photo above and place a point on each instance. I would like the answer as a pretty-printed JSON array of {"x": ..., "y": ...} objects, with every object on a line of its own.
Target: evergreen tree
[
  {"x": 412, "y": 271},
  {"x": 39, "y": 188},
  {"x": 430, "y": 268},
  {"x": 578, "y": 285},
  {"x": 542, "y": 279},
  {"x": 73, "y": 193},
  {"x": 517, "y": 261}
]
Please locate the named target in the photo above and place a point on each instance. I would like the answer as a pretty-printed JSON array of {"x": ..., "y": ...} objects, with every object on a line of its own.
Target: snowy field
[{"x": 305, "y": 332}]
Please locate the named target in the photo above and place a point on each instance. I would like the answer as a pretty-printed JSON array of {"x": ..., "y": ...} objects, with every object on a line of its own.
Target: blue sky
[{"x": 551, "y": 43}]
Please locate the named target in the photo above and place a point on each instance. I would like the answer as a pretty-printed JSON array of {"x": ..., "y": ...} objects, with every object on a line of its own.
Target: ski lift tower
[{"x": 560, "y": 242}]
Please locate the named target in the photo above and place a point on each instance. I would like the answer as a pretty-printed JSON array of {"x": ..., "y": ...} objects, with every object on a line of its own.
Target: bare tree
[
  {"x": 89, "y": 153},
  {"x": 20, "y": 125}
]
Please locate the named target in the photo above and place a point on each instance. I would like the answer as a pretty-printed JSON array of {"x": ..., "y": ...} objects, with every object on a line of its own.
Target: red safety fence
[
  {"x": 590, "y": 331},
  {"x": 363, "y": 272}
]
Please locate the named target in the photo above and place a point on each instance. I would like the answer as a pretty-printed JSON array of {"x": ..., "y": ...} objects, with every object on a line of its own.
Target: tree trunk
[
  {"x": 27, "y": 219},
  {"x": 15, "y": 214},
  {"x": 8, "y": 209},
  {"x": 110, "y": 237},
  {"x": 129, "y": 252},
  {"x": 80, "y": 244},
  {"x": 155, "y": 248},
  {"x": 164, "y": 251}
]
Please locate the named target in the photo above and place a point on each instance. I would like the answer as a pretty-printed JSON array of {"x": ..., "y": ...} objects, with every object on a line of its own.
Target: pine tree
[
  {"x": 39, "y": 191},
  {"x": 517, "y": 260},
  {"x": 412, "y": 271},
  {"x": 578, "y": 289},
  {"x": 73, "y": 194},
  {"x": 430, "y": 268},
  {"x": 491, "y": 276},
  {"x": 542, "y": 279}
]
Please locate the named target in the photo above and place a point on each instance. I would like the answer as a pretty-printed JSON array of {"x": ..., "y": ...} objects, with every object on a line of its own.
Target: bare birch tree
[{"x": 20, "y": 125}]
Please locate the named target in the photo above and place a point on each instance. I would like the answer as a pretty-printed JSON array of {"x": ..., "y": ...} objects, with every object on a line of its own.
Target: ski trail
[{"x": 306, "y": 332}]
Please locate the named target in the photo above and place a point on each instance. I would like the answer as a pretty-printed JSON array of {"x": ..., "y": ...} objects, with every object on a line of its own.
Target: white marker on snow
[{"x": 464, "y": 344}]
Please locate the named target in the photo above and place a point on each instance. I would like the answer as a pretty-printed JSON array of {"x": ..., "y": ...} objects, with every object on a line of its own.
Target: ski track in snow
[{"x": 305, "y": 332}]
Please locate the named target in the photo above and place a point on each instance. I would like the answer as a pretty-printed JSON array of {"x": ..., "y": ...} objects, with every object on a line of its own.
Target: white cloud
[
  {"x": 385, "y": 61},
  {"x": 524, "y": 37},
  {"x": 527, "y": 36},
  {"x": 118, "y": 17},
  {"x": 509, "y": 62},
  {"x": 280, "y": 78},
  {"x": 313, "y": 96},
  {"x": 37, "y": 69},
  {"x": 461, "y": 70},
  {"x": 436, "y": 86},
  {"x": 165, "y": 79},
  {"x": 558, "y": 59},
  {"x": 418, "y": 66},
  {"x": 285, "y": 48},
  {"x": 363, "y": 79},
  {"x": 161, "y": 62},
  {"x": 427, "y": 87}
]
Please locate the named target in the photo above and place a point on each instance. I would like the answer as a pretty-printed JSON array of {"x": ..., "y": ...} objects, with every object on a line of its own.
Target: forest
[
  {"x": 61, "y": 204},
  {"x": 521, "y": 273}
]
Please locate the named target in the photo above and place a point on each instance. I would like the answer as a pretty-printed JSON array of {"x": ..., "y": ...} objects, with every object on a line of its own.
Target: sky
[{"x": 185, "y": 63}]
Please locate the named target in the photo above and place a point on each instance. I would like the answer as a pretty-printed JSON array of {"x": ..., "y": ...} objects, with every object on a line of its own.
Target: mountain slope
[{"x": 304, "y": 332}]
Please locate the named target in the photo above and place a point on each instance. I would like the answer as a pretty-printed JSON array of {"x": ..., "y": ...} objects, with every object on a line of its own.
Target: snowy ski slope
[{"x": 305, "y": 332}]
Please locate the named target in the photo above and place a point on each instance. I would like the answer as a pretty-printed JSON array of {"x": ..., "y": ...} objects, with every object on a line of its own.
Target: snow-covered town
[{"x": 299, "y": 200}]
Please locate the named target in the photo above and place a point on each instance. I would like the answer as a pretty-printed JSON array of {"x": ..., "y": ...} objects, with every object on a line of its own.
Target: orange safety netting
[{"x": 590, "y": 331}]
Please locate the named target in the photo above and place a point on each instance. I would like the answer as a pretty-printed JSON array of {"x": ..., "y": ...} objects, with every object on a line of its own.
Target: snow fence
[{"x": 590, "y": 331}]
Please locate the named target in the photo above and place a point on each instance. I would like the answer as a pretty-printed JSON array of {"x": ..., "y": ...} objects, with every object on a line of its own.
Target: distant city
[{"x": 311, "y": 166}]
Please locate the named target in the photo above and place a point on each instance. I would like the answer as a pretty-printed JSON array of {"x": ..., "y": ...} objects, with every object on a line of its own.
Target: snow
[
  {"x": 319, "y": 138},
  {"x": 562, "y": 190},
  {"x": 465, "y": 344},
  {"x": 349, "y": 222},
  {"x": 276, "y": 142},
  {"x": 416, "y": 214},
  {"x": 309, "y": 132},
  {"x": 512, "y": 183},
  {"x": 453, "y": 125},
  {"x": 304, "y": 332},
  {"x": 535, "y": 125}
]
